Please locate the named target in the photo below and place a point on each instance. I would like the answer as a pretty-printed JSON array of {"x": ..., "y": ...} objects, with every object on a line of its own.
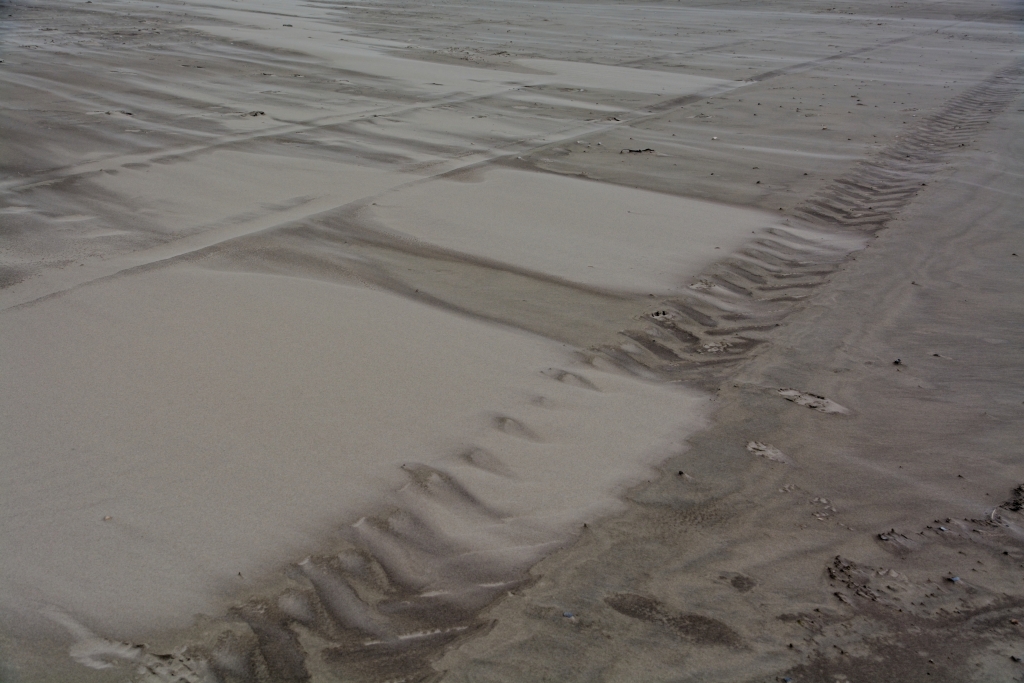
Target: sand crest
[
  {"x": 199, "y": 428},
  {"x": 510, "y": 341}
]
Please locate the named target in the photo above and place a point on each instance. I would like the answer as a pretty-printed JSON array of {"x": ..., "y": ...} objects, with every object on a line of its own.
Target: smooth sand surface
[
  {"x": 227, "y": 187},
  {"x": 611, "y": 237},
  {"x": 385, "y": 362},
  {"x": 225, "y": 423}
]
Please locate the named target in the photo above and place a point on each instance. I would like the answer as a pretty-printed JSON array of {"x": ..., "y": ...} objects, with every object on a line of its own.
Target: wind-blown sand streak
[{"x": 303, "y": 334}]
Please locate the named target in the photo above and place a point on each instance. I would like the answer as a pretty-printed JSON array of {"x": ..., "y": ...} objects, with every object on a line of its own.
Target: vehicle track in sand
[
  {"x": 505, "y": 153},
  {"x": 358, "y": 611},
  {"x": 735, "y": 303}
]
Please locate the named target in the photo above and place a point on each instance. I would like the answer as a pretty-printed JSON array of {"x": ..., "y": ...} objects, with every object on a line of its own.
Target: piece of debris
[
  {"x": 898, "y": 361},
  {"x": 813, "y": 401},
  {"x": 1016, "y": 501},
  {"x": 256, "y": 113},
  {"x": 896, "y": 542},
  {"x": 766, "y": 451},
  {"x": 954, "y": 579},
  {"x": 714, "y": 347},
  {"x": 646, "y": 150}
]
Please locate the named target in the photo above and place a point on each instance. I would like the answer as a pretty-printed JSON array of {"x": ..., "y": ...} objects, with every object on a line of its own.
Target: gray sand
[{"x": 511, "y": 341}]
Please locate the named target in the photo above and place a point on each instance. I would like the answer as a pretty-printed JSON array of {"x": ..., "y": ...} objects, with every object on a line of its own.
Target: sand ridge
[
  {"x": 154, "y": 418},
  {"x": 329, "y": 252}
]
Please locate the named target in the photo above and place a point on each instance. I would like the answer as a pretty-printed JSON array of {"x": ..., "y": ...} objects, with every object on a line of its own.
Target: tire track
[
  {"x": 732, "y": 307},
  {"x": 365, "y": 613}
]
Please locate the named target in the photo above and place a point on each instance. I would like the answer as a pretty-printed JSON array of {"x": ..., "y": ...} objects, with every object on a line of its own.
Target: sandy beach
[{"x": 511, "y": 341}]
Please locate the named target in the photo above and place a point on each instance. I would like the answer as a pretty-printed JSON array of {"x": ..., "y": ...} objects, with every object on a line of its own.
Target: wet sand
[{"x": 511, "y": 341}]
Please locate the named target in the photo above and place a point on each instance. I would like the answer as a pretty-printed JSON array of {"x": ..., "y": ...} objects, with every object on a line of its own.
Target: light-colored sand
[
  {"x": 342, "y": 372},
  {"x": 836, "y": 564},
  {"x": 226, "y": 187},
  {"x": 608, "y": 237},
  {"x": 227, "y": 422}
]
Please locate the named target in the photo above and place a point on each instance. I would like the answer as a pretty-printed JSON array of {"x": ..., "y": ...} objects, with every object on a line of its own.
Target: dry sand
[
  {"x": 224, "y": 422},
  {"x": 570, "y": 228},
  {"x": 511, "y": 341}
]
